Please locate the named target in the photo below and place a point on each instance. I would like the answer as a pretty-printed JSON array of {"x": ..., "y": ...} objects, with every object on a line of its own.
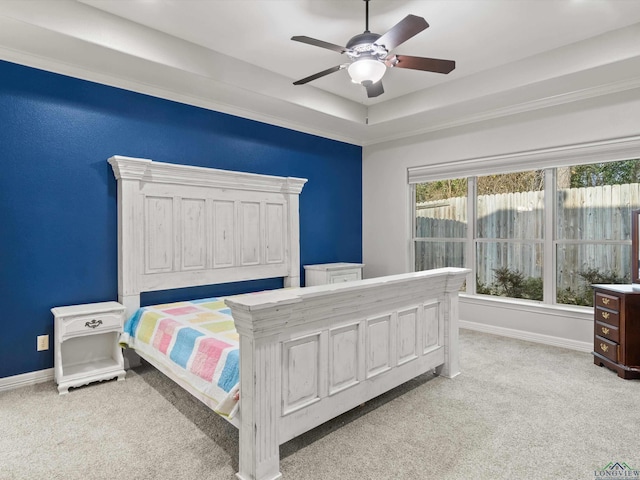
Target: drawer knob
[
  {"x": 93, "y": 323},
  {"x": 605, "y": 301},
  {"x": 604, "y": 347},
  {"x": 605, "y": 330},
  {"x": 605, "y": 315}
]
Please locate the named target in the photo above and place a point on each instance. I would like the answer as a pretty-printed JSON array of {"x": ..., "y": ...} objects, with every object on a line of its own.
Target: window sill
[{"x": 583, "y": 313}]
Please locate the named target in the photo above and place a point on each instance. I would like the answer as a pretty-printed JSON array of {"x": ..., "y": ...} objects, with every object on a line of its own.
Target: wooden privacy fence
[{"x": 510, "y": 231}]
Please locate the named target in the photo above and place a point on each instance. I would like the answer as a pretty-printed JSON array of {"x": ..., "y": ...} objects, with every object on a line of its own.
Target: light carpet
[{"x": 519, "y": 410}]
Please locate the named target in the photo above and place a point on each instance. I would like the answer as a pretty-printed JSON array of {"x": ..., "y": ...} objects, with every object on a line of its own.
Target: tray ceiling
[{"x": 236, "y": 56}]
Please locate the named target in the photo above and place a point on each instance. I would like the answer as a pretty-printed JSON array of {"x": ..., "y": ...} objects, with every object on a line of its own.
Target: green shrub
[
  {"x": 512, "y": 283},
  {"x": 584, "y": 294}
]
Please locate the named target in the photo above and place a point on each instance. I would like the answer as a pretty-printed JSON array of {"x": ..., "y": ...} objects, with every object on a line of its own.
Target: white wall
[{"x": 386, "y": 213}]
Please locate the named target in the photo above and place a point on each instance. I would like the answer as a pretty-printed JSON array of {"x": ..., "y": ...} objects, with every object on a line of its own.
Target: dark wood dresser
[{"x": 616, "y": 342}]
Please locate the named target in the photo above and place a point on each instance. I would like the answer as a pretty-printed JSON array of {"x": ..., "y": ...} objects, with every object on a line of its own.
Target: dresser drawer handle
[
  {"x": 93, "y": 323},
  {"x": 605, "y": 315},
  {"x": 605, "y": 301},
  {"x": 605, "y": 330},
  {"x": 604, "y": 347}
]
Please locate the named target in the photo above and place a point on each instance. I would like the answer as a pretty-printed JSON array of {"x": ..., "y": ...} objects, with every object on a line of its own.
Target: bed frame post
[
  {"x": 451, "y": 366},
  {"x": 129, "y": 173},
  {"x": 260, "y": 401},
  {"x": 294, "y": 187}
]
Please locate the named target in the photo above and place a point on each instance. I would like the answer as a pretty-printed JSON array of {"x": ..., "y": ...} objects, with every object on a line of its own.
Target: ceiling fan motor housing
[{"x": 364, "y": 44}]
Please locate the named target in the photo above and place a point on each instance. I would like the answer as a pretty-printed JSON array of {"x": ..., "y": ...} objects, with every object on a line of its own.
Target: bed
[{"x": 305, "y": 355}]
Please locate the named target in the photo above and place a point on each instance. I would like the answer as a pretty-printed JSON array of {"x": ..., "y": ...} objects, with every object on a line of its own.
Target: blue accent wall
[{"x": 58, "y": 239}]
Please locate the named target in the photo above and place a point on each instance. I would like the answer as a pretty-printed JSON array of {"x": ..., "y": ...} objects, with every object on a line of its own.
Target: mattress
[{"x": 196, "y": 341}]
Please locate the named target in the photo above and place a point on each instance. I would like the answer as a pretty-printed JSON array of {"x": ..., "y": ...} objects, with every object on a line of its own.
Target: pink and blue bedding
[{"x": 197, "y": 341}]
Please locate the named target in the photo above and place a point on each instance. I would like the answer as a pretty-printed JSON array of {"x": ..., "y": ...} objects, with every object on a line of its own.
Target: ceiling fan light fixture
[
  {"x": 369, "y": 54},
  {"x": 366, "y": 70}
]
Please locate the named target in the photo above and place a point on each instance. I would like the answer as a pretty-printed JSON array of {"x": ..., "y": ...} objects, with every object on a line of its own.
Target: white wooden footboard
[{"x": 310, "y": 354}]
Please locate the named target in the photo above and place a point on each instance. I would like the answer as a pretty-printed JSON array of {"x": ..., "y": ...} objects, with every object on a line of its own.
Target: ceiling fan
[{"x": 369, "y": 54}]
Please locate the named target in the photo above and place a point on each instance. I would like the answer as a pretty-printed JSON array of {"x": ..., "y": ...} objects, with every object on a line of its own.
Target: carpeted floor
[{"x": 519, "y": 410}]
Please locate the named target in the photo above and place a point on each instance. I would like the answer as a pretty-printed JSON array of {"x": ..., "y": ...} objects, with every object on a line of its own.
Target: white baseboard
[
  {"x": 25, "y": 379},
  {"x": 528, "y": 336}
]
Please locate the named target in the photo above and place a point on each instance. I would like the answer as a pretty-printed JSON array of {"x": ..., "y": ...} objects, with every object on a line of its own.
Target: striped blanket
[{"x": 195, "y": 340}]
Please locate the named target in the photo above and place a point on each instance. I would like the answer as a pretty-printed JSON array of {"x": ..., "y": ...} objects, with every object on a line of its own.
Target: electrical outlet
[{"x": 43, "y": 342}]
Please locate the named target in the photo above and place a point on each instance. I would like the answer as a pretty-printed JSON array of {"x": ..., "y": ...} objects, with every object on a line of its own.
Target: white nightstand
[
  {"x": 86, "y": 344},
  {"x": 325, "y": 273}
]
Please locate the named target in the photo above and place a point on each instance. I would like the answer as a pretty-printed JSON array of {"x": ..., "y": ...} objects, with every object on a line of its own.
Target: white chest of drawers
[
  {"x": 86, "y": 344},
  {"x": 326, "y": 273}
]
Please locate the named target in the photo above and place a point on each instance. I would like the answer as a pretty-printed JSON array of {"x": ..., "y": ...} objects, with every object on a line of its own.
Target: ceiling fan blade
[
  {"x": 373, "y": 89},
  {"x": 420, "y": 63},
  {"x": 319, "y": 43},
  {"x": 319, "y": 74},
  {"x": 405, "y": 29}
]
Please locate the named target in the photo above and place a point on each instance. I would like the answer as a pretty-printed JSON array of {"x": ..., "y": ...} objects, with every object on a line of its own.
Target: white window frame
[{"x": 548, "y": 159}]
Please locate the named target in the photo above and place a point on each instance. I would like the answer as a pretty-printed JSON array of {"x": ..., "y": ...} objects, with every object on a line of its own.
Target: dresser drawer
[
  {"x": 608, "y": 301},
  {"x": 616, "y": 341},
  {"x": 608, "y": 331},
  {"x": 87, "y": 324},
  {"x": 607, "y": 316},
  {"x": 606, "y": 348}
]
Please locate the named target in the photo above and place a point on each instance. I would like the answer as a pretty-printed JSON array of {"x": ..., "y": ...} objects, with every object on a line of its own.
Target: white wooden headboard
[{"x": 182, "y": 226}]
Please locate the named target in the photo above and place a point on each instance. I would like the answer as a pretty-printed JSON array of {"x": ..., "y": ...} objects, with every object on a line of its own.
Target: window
[
  {"x": 441, "y": 224},
  {"x": 593, "y": 227},
  {"x": 509, "y": 240},
  {"x": 542, "y": 235}
]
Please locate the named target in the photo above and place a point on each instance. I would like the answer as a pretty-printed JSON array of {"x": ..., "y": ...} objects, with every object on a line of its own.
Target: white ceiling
[{"x": 236, "y": 56}]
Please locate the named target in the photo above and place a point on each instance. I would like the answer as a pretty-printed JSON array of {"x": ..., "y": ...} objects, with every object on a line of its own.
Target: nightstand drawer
[
  {"x": 606, "y": 348},
  {"x": 608, "y": 331},
  {"x": 327, "y": 273},
  {"x": 606, "y": 316},
  {"x": 91, "y": 324},
  {"x": 607, "y": 301},
  {"x": 344, "y": 276}
]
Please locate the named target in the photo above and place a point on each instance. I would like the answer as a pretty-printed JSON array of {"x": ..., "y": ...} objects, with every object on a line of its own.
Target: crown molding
[{"x": 515, "y": 109}]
